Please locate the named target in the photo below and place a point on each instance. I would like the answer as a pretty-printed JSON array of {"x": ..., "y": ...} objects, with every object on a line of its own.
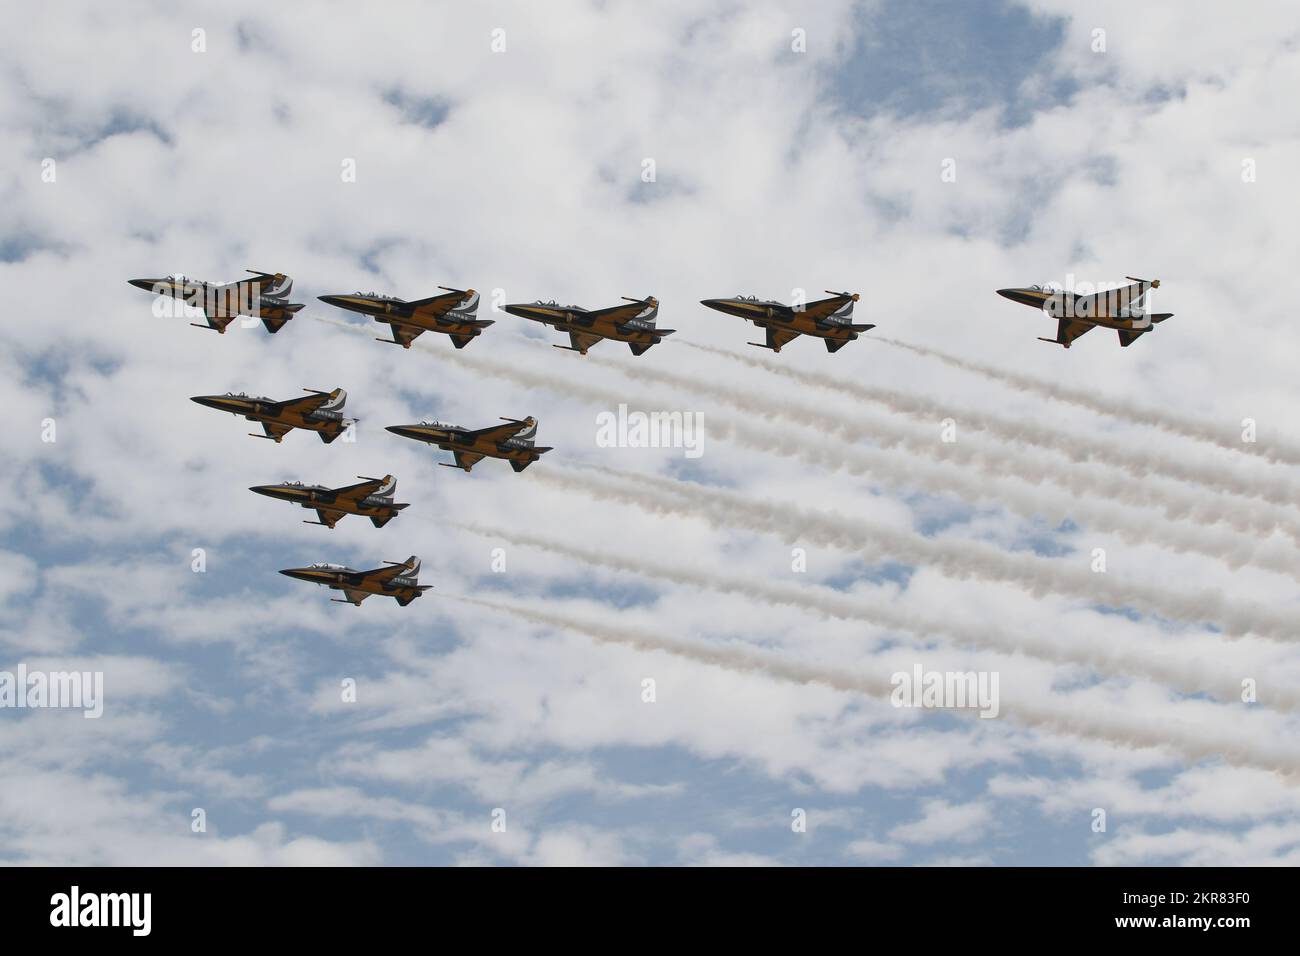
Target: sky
[{"x": 636, "y": 656}]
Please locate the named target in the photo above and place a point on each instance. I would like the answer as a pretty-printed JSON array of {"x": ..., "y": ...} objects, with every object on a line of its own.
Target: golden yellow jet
[
  {"x": 514, "y": 442},
  {"x": 830, "y": 320},
  {"x": 320, "y": 412},
  {"x": 398, "y": 580},
  {"x": 1121, "y": 309}
]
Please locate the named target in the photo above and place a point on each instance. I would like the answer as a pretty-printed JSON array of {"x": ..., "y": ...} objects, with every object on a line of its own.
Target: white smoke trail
[
  {"x": 1249, "y": 519},
  {"x": 1077, "y": 448},
  {"x": 1108, "y": 725},
  {"x": 881, "y": 465},
  {"x": 1171, "y": 669},
  {"x": 960, "y": 559},
  {"x": 1275, "y": 450}
]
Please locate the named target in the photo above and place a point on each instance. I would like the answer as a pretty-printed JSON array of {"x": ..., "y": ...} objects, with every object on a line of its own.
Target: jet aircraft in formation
[
  {"x": 515, "y": 441},
  {"x": 397, "y": 579},
  {"x": 830, "y": 320},
  {"x": 372, "y": 498},
  {"x": 320, "y": 412},
  {"x": 633, "y": 323},
  {"x": 265, "y": 297},
  {"x": 1121, "y": 309},
  {"x": 453, "y": 313}
]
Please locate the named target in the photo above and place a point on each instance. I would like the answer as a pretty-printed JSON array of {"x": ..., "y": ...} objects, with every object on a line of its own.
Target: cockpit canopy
[
  {"x": 434, "y": 423},
  {"x": 324, "y": 566},
  {"x": 1049, "y": 287}
]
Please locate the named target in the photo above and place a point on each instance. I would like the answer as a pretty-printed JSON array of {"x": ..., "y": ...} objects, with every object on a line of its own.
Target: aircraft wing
[
  {"x": 355, "y": 597},
  {"x": 276, "y": 430},
  {"x": 386, "y": 573},
  {"x": 583, "y": 340},
  {"x": 308, "y": 403},
  {"x": 360, "y": 489},
  {"x": 824, "y": 307},
  {"x": 218, "y": 322},
  {"x": 1067, "y": 330},
  {"x": 328, "y": 517},
  {"x": 467, "y": 459},
  {"x": 620, "y": 313},
  {"x": 438, "y": 305},
  {"x": 779, "y": 337},
  {"x": 499, "y": 433},
  {"x": 404, "y": 335}
]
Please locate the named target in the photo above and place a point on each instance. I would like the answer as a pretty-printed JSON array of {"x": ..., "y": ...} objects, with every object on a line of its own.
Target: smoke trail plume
[
  {"x": 1078, "y": 448},
  {"x": 881, "y": 465},
  {"x": 1248, "y": 518},
  {"x": 1172, "y": 669},
  {"x": 1109, "y": 726},
  {"x": 960, "y": 559},
  {"x": 954, "y": 558},
  {"x": 1277, "y": 450}
]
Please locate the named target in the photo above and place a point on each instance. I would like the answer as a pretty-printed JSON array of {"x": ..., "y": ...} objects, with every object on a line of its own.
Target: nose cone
[
  {"x": 408, "y": 431},
  {"x": 335, "y": 300},
  {"x": 728, "y": 306},
  {"x": 146, "y": 284},
  {"x": 301, "y": 574},
  {"x": 524, "y": 311},
  {"x": 1033, "y": 297},
  {"x": 209, "y": 401},
  {"x": 272, "y": 491}
]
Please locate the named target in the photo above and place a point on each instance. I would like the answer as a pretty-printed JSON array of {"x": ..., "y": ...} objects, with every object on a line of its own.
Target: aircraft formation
[{"x": 454, "y": 313}]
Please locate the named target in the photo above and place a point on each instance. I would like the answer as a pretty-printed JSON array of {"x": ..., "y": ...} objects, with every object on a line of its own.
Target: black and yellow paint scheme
[
  {"x": 514, "y": 441},
  {"x": 633, "y": 323},
  {"x": 372, "y": 498},
  {"x": 397, "y": 579},
  {"x": 320, "y": 412},
  {"x": 453, "y": 313},
  {"x": 1122, "y": 309},
  {"x": 830, "y": 320},
  {"x": 265, "y": 297}
]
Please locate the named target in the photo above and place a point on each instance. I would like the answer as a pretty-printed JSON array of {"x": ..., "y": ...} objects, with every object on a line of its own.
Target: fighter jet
[
  {"x": 372, "y": 498},
  {"x": 320, "y": 412},
  {"x": 513, "y": 442},
  {"x": 264, "y": 297},
  {"x": 827, "y": 319},
  {"x": 633, "y": 323},
  {"x": 398, "y": 579},
  {"x": 1120, "y": 309},
  {"x": 452, "y": 314}
]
